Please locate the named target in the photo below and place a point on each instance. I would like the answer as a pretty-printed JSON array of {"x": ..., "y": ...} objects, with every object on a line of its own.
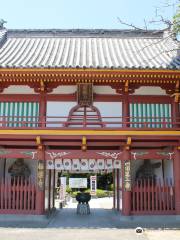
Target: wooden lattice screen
[
  {"x": 153, "y": 197},
  {"x": 18, "y": 196},
  {"x": 17, "y": 114},
  {"x": 150, "y": 115}
]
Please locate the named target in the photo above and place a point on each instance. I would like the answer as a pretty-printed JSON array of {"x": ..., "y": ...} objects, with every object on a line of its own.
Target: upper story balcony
[
  {"x": 89, "y": 122},
  {"x": 136, "y": 113}
]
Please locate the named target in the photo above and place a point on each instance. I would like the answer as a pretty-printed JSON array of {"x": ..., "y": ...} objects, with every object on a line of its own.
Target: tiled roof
[{"x": 116, "y": 49}]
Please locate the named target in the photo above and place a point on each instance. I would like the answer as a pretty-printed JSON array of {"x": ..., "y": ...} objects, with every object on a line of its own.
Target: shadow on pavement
[{"x": 99, "y": 218}]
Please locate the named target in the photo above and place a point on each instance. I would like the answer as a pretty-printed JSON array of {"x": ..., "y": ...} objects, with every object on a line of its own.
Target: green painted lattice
[
  {"x": 13, "y": 114},
  {"x": 152, "y": 113}
]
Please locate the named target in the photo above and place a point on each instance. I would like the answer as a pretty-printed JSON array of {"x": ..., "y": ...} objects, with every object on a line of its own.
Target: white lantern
[
  {"x": 117, "y": 164},
  {"x": 109, "y": 164},
  {"x": 50, "y": 164},
  {"x": 92, "y": 164},
  {"x": 75, "y": 164},
  {"x": 100, "y": 164},
  {"x": 59, "y": 164},
  {"x": 84, "y": 164},
  {"x": 67, "y": 164}
]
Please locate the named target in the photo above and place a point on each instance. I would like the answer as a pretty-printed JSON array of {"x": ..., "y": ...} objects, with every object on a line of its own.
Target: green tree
[{"x": 176, "y": 21}]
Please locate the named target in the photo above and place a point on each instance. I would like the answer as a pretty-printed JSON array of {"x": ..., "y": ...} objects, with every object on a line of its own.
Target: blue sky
[{"x": 81, "y": 13}]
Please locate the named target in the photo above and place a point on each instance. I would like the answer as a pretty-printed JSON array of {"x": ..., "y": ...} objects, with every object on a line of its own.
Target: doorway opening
[
  {"x": 62, "y": 187},
  {"x": 104, "y": 204}
]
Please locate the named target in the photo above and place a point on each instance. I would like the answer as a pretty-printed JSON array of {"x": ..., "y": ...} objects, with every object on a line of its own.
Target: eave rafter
[{"x": 124, "y": 81}]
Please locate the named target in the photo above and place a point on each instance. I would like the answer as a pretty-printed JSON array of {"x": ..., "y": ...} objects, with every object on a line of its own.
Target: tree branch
[{"x": 130, "y": 25}]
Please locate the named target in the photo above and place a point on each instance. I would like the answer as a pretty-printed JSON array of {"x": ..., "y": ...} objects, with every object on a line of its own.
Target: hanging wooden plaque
[
  {"x": 40, "y": 175},
  {"x": 127, "y": 175},
  {"x": 85, "y": 94}
]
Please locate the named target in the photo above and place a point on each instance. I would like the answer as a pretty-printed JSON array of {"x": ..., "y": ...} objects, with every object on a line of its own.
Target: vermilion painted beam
[
  {"x": 96, "y": 138},
  {"x": 97, "y": 98},
  {"x": 61, "y": 97},
  {"x": 19, "y": 97},
  {"x": 112, "y": 144},
  {"x": 17, "y": 143},
  {"x": 52, "y": 154},
  {"x": 150, "y": 99},
  {"x": 95, "y": 144}
]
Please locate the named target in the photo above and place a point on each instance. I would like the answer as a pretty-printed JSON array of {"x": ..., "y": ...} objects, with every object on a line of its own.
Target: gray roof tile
[{"x": 87, "y": 49}]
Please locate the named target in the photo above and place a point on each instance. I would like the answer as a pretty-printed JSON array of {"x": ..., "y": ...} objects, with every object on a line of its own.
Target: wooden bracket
[
  {"x": 84, "y": 144},
  {"x": 176, "y": 95},
  {"x": 128, "y": 143},
  {"x": 178, "y": 148},
  {"x": 126, "y": 89},
  {"x": 177, "y": 85},
  {"x": 42, "y": 86},
  {"x": 39, "y": 143},
  {"x": 38, "y": 140}
]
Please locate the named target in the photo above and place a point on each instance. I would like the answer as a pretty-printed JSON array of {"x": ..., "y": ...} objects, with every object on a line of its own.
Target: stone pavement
[
  {"x": 85, "y": 234},
  {"x": 69, "y": 234},
  {"x": 103, "y": 223}
]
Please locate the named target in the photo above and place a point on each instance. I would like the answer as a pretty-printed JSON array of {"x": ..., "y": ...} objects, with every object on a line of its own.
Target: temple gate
[{"x": 71, "y": 99}]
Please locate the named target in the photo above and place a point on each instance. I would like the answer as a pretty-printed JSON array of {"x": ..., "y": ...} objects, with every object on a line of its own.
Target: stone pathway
[
  {"x": 70, "y": 234},
  {"x": 102, "y": 223},
  {"x": 101, "y": 216}
]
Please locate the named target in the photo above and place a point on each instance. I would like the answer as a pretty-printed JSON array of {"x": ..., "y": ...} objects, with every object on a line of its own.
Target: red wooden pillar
[
  {"x": 40, "y": 204},
  {"x": 126, "y": 177},
  {"x": 175, "y": 113},
  {"x": 125, "y": 110},
  {"x": 42, "y": 109},
  {"x": 118, "y": 195},
  {"x": 177, "y": 180},
  {"x": 114, "y": 188}
]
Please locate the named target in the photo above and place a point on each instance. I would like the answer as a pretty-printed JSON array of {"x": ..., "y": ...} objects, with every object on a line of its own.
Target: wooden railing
[
  {"x": 91, "y": 122},
  {"x": 18, "y": 196},
  {"x": 153, "y": 197}
]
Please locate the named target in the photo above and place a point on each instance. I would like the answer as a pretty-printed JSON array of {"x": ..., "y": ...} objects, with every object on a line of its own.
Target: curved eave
[
  {"x": 63, "y": 68},
  {"x": 140, "y": 70},
  {"x": 96, "y": 76}
]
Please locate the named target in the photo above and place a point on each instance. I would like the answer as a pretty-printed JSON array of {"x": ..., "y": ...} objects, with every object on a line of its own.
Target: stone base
[{"x": 83, "y": 209}]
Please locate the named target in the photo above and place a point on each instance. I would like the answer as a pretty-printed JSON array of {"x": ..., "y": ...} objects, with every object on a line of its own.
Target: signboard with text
[
  {"x": 93, "y": 185},
  {"x": 78, "y": 182}
]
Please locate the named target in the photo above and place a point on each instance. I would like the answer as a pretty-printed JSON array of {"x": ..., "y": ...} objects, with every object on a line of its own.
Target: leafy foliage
[
  {"x": 99, "y": 193},
  {"x": 176, "y": 20}
]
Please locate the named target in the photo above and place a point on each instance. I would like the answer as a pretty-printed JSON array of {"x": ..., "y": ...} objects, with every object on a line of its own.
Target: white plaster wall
[
  {"x": 73, "y": 88},
  {"x": 61, "y": 109},
  {"x": 65, "y": 89},
  {"x": 103, "y": 90},
  {"x": 150, "y": 91},
  {"x": 17, "y": 89},
  {"x": 58, "y": 109},
  {"x": 110, "y": 109}
]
